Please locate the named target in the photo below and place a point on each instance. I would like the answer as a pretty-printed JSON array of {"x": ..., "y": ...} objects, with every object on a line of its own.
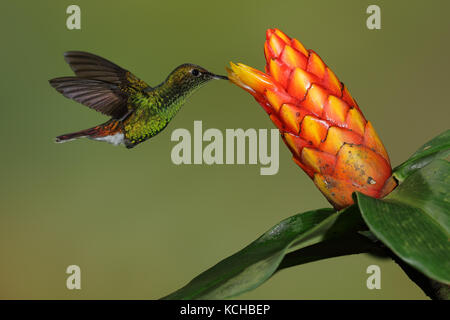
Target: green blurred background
[{"x": 141, "y": 227}]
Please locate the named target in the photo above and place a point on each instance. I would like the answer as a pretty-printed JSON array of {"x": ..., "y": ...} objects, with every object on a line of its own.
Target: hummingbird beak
[{"x": 218, "y": 77}]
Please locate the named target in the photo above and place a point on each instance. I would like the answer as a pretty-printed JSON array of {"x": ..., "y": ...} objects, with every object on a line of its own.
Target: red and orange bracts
[{"x": 318, "y": 120}]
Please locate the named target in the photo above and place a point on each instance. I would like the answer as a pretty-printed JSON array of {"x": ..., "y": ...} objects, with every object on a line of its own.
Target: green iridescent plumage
[{"x": 138, "y": 111}]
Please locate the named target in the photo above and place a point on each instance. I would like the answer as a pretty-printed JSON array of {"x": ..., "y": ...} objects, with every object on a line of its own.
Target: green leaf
[
  {"x": 437, "y": 148},
  {"x": 414, "y": 219},
  {"x": 250, "y": 267}
]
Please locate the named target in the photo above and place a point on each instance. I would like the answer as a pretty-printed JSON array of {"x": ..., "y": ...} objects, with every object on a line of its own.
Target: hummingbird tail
[{"x": 110, "y": 132}]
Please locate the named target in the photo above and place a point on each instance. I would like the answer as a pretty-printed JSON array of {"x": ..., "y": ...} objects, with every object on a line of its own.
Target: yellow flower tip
[
  {"x": 248, "y": 78},
  {"x": 233, "y": 76}
]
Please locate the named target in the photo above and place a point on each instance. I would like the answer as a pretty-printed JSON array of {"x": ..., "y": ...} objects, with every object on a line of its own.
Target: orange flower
[{"x": 319, "y": 121}]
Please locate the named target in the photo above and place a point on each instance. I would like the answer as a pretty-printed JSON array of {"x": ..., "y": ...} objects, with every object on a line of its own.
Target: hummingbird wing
[
  {"x": 101, "y": 96},
  {"x": 99, "y": 84},
  {"x": 91, "y": 66}
]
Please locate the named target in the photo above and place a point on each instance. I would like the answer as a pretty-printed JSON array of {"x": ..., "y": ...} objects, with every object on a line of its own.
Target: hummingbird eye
[{"x": 195, "y": 72}]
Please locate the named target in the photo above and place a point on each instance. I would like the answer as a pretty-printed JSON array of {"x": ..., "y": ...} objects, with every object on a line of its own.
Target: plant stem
[
  {"x": 355, "y": 244},
  {"x": 346, "y": 245}
]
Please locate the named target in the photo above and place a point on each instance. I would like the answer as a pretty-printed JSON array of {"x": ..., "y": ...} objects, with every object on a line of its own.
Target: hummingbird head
[{"x": 188, "y": 77}]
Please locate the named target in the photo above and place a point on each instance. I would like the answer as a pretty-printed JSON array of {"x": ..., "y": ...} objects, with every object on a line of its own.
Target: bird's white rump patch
[{"x": 114, "y": 139}]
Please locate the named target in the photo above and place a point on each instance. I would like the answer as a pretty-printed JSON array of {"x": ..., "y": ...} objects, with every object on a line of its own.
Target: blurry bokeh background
[{"x": 141, "y": 227}]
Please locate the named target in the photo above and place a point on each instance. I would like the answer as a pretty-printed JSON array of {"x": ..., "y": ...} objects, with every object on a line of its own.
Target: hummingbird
[{"x": 138, "y": 111}]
